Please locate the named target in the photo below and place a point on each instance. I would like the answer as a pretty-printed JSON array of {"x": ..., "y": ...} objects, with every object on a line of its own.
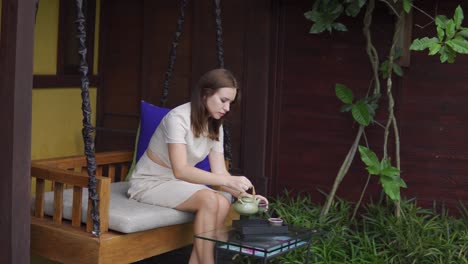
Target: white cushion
[{"x": 125, "y": 215}]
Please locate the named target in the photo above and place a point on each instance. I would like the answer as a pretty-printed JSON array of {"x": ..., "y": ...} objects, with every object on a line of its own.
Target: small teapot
[{"x": 247, "y": 205}]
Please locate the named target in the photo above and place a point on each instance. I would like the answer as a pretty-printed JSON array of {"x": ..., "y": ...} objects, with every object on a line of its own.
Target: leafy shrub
[{"x": 419, "y": 236}]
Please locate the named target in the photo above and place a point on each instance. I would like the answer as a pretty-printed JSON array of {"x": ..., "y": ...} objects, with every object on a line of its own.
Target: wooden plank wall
[
  {"x": 310, "y": 138},
  {"x": 136, "y": 38},
  {"x": 314, "y": 136},
  {"x": 434, "y": 119},
  {"x": 288, "y": 131}
]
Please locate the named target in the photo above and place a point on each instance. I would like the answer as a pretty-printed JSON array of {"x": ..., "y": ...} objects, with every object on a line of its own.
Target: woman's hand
[
  {"x": 265, "y": 200},
  {"x": 257, "y": 196},
  {"x": 238, "y": 183}
]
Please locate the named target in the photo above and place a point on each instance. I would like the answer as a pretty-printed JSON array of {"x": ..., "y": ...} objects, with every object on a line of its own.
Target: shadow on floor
[{"x": 180, "y": 256}]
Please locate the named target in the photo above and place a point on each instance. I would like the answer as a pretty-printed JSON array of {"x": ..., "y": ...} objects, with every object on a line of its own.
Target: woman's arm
[
  {"x": 218, "y": 166},
  {"x": 218, "y": 176}
]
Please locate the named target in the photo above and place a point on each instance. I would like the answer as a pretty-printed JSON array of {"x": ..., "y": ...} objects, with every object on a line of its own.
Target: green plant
[
  {"x": 363, "y": 110},
  {"x": 451, "y": 38},
  {"x": 389, "y": 175},
  {"x": 376, "y": 236},
  {"x": 325, "y": 13}
]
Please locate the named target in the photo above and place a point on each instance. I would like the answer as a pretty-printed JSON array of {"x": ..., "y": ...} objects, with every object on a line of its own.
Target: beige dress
[{"x": 154, "y": 184}]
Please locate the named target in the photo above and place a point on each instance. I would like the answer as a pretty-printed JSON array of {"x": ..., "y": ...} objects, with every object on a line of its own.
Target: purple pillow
[{"x": 150, "y": 117}]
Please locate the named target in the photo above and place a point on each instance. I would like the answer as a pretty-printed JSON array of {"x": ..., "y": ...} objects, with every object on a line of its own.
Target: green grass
[{"x": 419, "y": 236}]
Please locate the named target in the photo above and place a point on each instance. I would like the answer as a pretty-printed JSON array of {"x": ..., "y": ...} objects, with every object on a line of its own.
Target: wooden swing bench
[{"x": 61, "y": 222}]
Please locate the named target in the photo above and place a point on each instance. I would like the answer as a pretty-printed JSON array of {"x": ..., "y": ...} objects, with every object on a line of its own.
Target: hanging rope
[
  {"x": 88, "y": 129},
  {"x": 219, "y": 34},
  {"x": 173, "y": 53}
]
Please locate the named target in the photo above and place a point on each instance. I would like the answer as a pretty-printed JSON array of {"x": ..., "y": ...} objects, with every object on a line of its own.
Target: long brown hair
[{"x": 208, "y": 84}]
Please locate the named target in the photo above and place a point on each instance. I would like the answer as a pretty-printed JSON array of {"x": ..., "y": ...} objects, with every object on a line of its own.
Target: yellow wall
[
  {"x": 56, "y": 112},
  {"x": 46, "y": 36},
  {"x": 57, "y": 117},
  {"x": 57, "y": 122}
]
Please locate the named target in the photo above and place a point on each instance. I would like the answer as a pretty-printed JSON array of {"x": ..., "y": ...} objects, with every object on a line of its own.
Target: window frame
[{"x": 62, "y": 78}]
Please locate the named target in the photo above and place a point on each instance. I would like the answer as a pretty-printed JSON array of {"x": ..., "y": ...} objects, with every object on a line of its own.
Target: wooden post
[{"x": 16, "y": 70}]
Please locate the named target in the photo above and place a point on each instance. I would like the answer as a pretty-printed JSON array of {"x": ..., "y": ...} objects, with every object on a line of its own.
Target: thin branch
[
  {"x": 422, "y": 27},
  {"x": 379, "y": 124},
  {"x": 391, "y": 7},
  {"x": 422, "y": 11},
  {"x": 358, "y": 204},
  {"x": 365, "y": 138}
]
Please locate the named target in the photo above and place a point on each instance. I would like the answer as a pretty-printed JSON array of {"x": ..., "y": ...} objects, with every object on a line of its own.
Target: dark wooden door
[
  {"x": 119, "y": 92},
  {"x": 136, "y": 39}
]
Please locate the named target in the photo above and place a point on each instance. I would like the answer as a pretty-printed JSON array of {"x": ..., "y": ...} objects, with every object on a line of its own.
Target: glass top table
[{"x": 265, "y": 246}]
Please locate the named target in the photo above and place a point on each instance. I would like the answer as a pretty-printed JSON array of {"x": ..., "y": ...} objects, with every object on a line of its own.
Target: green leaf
[
  {"x": 434, "y": 49},
  {"x": 424, "y": 43},
  {"x": 373, "y": 170},
  {"x": 441, "y": 21},
  {"x": 451, "y": 54},
  {"x": 463, "y": 33},
  {"x": 397, "y": 70},
  {"x": 407, "y": 6},
  {"x": 312, "y": 15},
  {"x": 360, "y": 113},
  {"x": 388, "y": 170},
  {"x": 440, "y": 33},
  {"x": 450, "y": 29},
  {"x": 458, "y": 45},
  {"x": 402, "y": 182},
  {"x": 337, "y": 10},
  {"x": 384, "y": 69},
  {"x": 443, "y": 54},
  {"x": 391, "y": 187},
  {"x": 458, "y": 17},
  {"x": 372, "y": 107},
  {"x": 339, "y": 27},
  {"x": 346, "y": 108},
  {"x": 317, "y": 28},
  {"x": 344, "y": 93},
  {"x": 369, "y": 158},
  {"x": 371, "y": 102},
  {"x": 354, "y": 7}
]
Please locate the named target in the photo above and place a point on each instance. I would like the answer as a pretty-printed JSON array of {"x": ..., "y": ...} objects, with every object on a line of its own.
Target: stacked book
[{"x": 249, "y": 229}]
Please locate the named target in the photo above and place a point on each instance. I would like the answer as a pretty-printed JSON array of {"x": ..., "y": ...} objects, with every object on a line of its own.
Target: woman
[{"x": 166, "y": 176}]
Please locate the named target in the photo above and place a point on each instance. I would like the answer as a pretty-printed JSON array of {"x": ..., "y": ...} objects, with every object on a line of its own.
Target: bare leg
[
  {"x": 205, "y": 204},
  {"x": 194, "y": 256},
  {"x": 223, "y": 210}
]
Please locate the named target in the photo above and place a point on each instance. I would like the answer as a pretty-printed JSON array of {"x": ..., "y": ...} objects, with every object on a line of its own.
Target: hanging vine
[{"x": 451, "y": 40}]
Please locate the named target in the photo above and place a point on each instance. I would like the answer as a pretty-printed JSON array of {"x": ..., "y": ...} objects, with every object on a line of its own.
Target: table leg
[
  {"x": 265, "y": 260},
  {"x": 216, "y": 252},
  {"x": 308, "y": 252}
]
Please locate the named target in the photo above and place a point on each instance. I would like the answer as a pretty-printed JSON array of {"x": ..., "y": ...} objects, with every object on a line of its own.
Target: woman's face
[{"x": 219, "y": 103}]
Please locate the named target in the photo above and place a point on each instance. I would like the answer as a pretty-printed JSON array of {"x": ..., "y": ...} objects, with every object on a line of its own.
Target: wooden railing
[{"x": 71, "y": 172}]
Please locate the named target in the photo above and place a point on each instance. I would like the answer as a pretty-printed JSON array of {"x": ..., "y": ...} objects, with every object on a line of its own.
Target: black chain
[
  {"x": 227, "y": 146},
  {"x": 220, "y": 53},
  {"x": 219, "y": 34},
  {"x": 88, "y": 129},
  {"x": 37, "y": 9},
  {"x": 173, "y": 53}
]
